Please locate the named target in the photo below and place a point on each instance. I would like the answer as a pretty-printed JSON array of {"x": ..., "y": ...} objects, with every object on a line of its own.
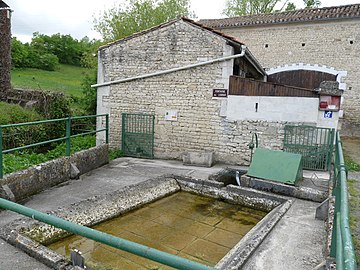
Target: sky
[{"x": 75, "y": 17}]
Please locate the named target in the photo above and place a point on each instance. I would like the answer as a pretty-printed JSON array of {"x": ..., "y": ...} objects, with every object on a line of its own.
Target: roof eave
[
  {"x": 251, "y": 58},
  {"x": 287, "y": 22}
]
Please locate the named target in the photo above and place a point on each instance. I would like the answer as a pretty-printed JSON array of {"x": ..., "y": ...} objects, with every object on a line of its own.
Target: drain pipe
[
  {"x": 237, "y": 177},
  {"x": 107, "y": 239},
  {"x": 224, "y": 58}
]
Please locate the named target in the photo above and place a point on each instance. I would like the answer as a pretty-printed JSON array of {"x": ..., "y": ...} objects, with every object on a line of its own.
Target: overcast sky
[{"x": 75, "y": 17}]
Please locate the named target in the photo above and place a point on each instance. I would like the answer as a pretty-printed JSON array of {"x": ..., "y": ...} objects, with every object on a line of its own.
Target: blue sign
[{"x": 328, "y": 114}]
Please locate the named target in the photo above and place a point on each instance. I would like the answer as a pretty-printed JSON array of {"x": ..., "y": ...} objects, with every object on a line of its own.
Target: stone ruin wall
[{"x": 5, "y": 50}]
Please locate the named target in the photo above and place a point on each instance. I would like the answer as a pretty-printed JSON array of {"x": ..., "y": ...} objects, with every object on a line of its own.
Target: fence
[
  {"x": 67, "y": 138},
  {"x": 247, "y": 87},
  {"x": 313, "y": 143},
  {"x": 341, "y": 243}
]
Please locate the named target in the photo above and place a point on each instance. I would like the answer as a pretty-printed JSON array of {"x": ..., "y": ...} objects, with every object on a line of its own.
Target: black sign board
[{"x": 220, "y": 93}]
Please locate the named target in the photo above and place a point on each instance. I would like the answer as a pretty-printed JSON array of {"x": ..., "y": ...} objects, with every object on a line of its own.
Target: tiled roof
[
  {"x": 3, "y": 5},
  {"x": 297, "y": 16}
]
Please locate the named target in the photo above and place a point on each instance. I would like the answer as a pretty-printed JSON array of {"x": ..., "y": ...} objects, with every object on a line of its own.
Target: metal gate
[
  {"x": 313, "y": 143},
  {"x": 138, "y": 135}
]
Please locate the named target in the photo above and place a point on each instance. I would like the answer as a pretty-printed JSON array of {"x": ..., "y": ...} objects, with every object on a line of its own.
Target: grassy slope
[
  {"x": 355, "y": 215},
  {"x": 350, "y": 147},
  {"x": 66, "y": 79}
]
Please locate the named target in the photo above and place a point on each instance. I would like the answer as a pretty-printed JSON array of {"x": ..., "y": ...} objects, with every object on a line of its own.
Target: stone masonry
[
  {"x": 200, "y": 126},
  {"x": 5, "y": 48},
  {"x": 332, "y": 43}
]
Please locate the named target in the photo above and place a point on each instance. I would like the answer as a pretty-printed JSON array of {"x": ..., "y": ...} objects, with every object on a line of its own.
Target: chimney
[{"x": 5, "y": 48}]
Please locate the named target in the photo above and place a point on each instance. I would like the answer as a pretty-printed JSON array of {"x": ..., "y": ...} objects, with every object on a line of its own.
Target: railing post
[
  {"x": 107, "y": 128},
  {"x": 123, "y": 132},
  {"x": 1, "y": 153},
  {"x": 153, "y": 136},
  {"x": 68, "y": 134}
]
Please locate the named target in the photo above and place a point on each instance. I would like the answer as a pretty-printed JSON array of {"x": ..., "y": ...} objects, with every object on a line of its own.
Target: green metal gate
[
  {"x": 138, "y": 135},
  {"x": 313, "y": 143}
]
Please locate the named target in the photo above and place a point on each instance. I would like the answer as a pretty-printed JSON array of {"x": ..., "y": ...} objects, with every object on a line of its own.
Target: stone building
[
  {"x": 180, "y": 72},
  {"x": 5, "y": 47},
  {"x": 321, "y": 39},
  {"x": 131, "y": 78}
]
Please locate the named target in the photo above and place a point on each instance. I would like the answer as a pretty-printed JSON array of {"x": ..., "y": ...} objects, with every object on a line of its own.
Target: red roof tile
[{"x": 302, "y": 15}]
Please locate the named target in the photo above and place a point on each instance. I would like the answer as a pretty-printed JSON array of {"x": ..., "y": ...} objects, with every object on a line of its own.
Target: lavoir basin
[
  {"x": 201, "y": 220},
  {"x": 195, "y": 227}
]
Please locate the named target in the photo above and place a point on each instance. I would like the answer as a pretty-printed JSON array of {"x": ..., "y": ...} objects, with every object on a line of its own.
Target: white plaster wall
[
  {"x": 102, "y": 107},
  {"x": 102, "y": 103},
  {"x": 328, "y": 122},
  {"x": 289, "y": 109},
  {"x": 227, "y": 71}
]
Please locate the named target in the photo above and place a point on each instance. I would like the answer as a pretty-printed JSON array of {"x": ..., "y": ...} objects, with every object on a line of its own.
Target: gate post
[
  {"x": 123, "y": 132},
  {"x": 107, "y": 129}
]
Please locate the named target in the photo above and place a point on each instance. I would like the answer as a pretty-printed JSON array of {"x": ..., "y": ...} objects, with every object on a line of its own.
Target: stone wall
[
  {"x": 333, "y": 44},
  {"x": 202, "y": 123},
  {"x": 5, "y": 50},
  {"x": 48, "y": 104},
  {"x": 20, "y": 185}
]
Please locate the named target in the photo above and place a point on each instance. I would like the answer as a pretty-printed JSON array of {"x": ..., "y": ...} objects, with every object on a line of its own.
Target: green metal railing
[
  {"x": 66, "y": 138},
  {"x": 342, "y": 247},
  {"x": 107, "y": 239},
  {"x": 313, "y": 143}
]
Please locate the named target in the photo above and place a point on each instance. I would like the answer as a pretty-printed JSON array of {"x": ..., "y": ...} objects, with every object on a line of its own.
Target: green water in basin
[{"x": 191, "y": 226}]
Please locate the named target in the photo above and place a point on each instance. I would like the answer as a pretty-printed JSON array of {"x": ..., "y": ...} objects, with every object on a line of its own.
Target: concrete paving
[
  {"x": 297, "y": 241},
  {"x": 298, "y": 227}
]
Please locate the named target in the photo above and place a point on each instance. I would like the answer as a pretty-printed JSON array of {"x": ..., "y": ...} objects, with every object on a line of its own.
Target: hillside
[{"x": 65, "y": 79}]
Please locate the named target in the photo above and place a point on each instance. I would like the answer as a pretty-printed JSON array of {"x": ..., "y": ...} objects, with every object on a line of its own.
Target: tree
[
  {"x": 65, "y": 47},
  {"x": 19, "y": 53},
  {"x": 312, "y": 3},
  {"x": 88, "y": 100},
  {"x": 249, "y": 7},
  {"x": 138, "y": 15},
  {"x": 290, "y": 7}
]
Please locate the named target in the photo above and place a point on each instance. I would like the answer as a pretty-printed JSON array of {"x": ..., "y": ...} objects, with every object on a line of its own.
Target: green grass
[
  {"x": 65, "y": 79},
  {"x": 354, "y": 216},
  {"x": 115, "y": 153},
  {"x": 351, "y": 165},
  {"x": 13, "y": 113}
]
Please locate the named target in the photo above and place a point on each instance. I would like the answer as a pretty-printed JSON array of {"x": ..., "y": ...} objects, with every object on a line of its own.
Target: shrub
[
  {"x": 88, "y": 99},
  {"x": 13, "y": 113},
  {"x": 24, "y": 159},
  {"x": 20, "y": 136},
  {"x": 47, "y": 61}
]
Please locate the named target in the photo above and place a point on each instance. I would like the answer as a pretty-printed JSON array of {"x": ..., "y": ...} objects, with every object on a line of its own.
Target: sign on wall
[
  {"x": 171, "y": 115},
  {"x": 222, "y": 93},
  {"x": 328, "y": 114}
]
